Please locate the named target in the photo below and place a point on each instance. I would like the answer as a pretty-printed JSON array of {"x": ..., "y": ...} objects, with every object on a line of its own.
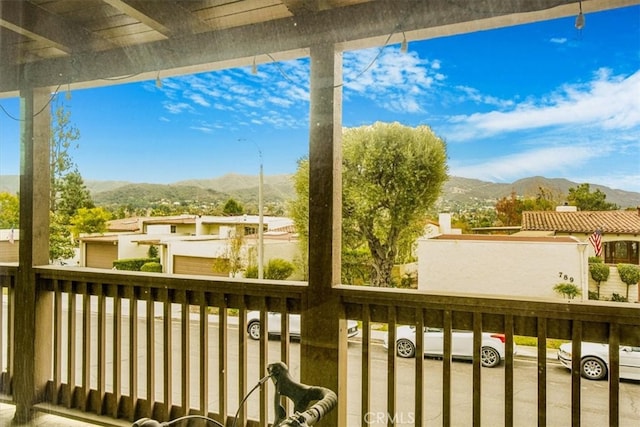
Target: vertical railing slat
[
  {"x": 262, "y": 363},
  {"x": 477, "y": 365},
  {"x": 86, "y": 349},
  {"x": 419, "y": 391},
  {"x": 57, "y": 342},
  {"x": 117, "y": 353},
  {"x": 151, "y": 354},
  {"x": 185, "y": 371},
  {"x": 204, "y": 357},
  {"x": 133, "y": 353},
  {"x": 508, "y": 371},
  {"x": 285, "y": 339},
  {"x": 223, "y": 377},
  {"x": 446, "y": 368},
  {"x": 614, "y": 374},
  {"x": 242, "y": 364},
  {"x": 167, "y": 370},
  {"x": 542, "y": 371},
  {"x": 71, "y": 348},
  {"x": 102, "y": 351},
  {"x": 391, "y": 367},
  {"x": 366, "y": 360},
  {"x": 576, "y": 361}
]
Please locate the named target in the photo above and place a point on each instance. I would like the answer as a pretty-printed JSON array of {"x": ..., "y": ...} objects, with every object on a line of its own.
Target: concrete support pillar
[
  {"x": 324, "y": 337},
  {"x": 33, "y": 307}
]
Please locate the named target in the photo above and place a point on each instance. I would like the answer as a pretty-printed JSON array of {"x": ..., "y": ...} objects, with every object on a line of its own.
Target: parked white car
[
  {"x": 274, "y": 323},
  {"x": 595, "y": 360},
  {"x": 492, "y": 348}
]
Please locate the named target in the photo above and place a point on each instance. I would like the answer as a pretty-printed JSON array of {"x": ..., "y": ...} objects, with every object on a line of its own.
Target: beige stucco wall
[{"x": 523, "y": 269}]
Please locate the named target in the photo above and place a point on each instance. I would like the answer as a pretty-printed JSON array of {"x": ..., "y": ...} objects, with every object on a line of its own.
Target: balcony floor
[{"x": 43, "y": 420}]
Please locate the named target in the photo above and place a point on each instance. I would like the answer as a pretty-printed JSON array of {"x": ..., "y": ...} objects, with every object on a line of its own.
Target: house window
[
  {"x": 173, "y": 229},
  {"x": 624, "y": 251}
]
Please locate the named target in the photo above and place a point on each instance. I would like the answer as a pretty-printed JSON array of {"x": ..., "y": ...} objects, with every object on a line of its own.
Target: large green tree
[
  {"x": 585, "y": 200},
  {"x": 392, "y": 175}
]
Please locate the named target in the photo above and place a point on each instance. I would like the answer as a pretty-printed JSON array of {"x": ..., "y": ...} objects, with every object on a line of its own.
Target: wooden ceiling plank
[
  {"x": 172, "y": 15},
  {"x": 38, "y": 24},
  {"x": 141, "y": 12}
]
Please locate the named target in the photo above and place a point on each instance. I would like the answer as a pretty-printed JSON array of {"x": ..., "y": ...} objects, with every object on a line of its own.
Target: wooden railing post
[
  {"x": 33, "y": 307},
  {"x": 324, "y": 341}
]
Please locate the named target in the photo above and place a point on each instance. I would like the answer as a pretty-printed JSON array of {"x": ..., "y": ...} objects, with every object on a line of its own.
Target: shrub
[
  {"x": 276, "y": 269},
  {"x": 132, "y": 264},
  {"x": 152, "y": 267},
  {"x": 595, "y": 260},
  {"x": 594, "y": 295},
  {"x": 599, "y": 273},
  {"x": 618, "y": 298},
  {"x": 629, "y": 274},
  {"x": 569, "y": 290}
]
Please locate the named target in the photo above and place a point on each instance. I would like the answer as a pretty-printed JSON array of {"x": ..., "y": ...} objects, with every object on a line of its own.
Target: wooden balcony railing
[{"x": 132, "y": 345}]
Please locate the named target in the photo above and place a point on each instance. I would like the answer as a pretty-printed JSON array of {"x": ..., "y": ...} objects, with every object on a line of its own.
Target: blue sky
[{"x": 538, "y": 99}]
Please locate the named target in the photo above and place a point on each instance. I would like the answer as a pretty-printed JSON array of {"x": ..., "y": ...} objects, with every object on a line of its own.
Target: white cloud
[
  {"x": 396, "y": 81},
  {"x": 608, "y": 102},
  {"x": 177, "y": 108},
  {"x": 558, "y": 40}
]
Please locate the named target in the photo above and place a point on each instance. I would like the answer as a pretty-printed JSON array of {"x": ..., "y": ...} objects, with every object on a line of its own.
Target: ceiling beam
[
  {"x": 358, "y": 26},
  {"x": 37, "y": 24}
]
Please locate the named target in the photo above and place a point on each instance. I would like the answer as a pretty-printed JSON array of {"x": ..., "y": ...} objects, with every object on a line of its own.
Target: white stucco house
[
  {"x": 188, "y": 244},
  {"x": 552, "y": 247}
]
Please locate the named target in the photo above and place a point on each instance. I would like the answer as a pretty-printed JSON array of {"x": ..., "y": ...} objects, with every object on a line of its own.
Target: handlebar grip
[
  {"x": 314, "y": 414},
  {"x": 324, "y": 406}
]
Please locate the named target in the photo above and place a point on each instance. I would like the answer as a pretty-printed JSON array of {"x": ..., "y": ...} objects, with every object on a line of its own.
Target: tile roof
[{"x": 624, "y": 222}]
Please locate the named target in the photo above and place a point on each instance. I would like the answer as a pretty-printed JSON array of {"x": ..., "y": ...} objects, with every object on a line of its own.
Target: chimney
[
  {"x": 638, "y": 208},
  {"x": 566, "y": 208},
  {"x": 444, "y": 220}
]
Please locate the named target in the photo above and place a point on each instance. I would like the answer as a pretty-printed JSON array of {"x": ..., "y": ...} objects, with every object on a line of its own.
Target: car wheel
[
  {"x": 405, "y": 348},
  {"x": 254, "y": 330},
  {"x": 593, "y": 368},
  {"x": 489, "y": 357}
]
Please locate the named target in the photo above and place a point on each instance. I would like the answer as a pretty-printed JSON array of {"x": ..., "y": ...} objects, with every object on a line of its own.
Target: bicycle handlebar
[
  {"x": 323, "y": 399},
  {"x": 311, "y": 403}
]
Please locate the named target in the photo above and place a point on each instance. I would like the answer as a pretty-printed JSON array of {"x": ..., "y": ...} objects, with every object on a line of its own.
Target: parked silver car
[
  {"x": 491, "y": 354},
  {"x": 274, "y": 323},
  {"x": 594, "y": 364}
]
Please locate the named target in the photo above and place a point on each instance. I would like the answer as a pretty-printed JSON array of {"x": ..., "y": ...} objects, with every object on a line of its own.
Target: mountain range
[{"x": 279, "y": 188}]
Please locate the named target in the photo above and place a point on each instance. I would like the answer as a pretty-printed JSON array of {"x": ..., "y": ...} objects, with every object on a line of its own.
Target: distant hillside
[
  {"x": 464, "y": 190},
  {"x": 143, "y": 195},
  {"x": 279, "y": 188}
]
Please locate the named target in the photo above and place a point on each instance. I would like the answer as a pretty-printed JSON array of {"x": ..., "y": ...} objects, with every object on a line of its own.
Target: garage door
[
  {"x": 194, "y": 265},
  {"x": 101, "y": 255}
]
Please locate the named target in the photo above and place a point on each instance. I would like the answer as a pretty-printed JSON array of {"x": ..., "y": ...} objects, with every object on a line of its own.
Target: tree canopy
[
  {"x": 585, "y": 200},
  {"x": 392, "y": 175}
]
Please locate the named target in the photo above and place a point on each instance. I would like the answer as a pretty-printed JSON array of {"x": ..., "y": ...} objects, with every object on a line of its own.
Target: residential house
[
  {"x": 189, "y": 244},
  {"x": 552, "y": 247},
  {"x": 619, "y": 234}
]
